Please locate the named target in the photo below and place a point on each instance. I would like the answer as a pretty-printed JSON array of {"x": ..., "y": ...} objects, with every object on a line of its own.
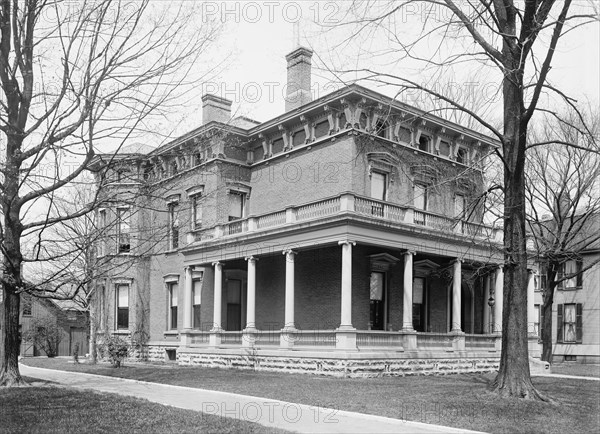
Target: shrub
[
  {"x": 45, "y": 333},
  {"x": 115, "y": 348}
]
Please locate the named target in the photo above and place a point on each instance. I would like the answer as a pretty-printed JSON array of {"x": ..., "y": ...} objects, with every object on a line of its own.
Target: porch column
[
  {"x": 346, "y": 334},
  {"x": 456, "y": 297},
  {"x": 286, "y": 339},
  {"x": 530, "y": 303},
  {"x": 407, "y": 317},
  {"x": 499, "y": 298},
  {"x": 486, "y": 307},
  {"x": 187, "y": 299},
  {"x": 215, "y": 336},
  {"x": 249, "y": 337}
]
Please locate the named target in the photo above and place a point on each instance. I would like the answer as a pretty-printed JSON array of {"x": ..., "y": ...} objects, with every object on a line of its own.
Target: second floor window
[
  {"x": 101, "y": 229},
  {"x": 173, "y": 224},
  {"x": 123, "y": 230},
  {"x": 237, "y": 201},
  {"x": 420, "y": 202},
  {"x": 459, "y": 206},
  {"x": 571, "y": 272},
  {"x": 196, "y": 211}
]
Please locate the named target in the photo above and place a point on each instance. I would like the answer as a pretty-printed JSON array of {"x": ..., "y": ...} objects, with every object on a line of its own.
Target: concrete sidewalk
[{"x": 268, "y": 412}]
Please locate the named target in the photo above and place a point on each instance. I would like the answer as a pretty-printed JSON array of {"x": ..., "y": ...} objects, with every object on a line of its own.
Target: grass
[
  {"x": 460, "y": 401},
  {"x": 570, "y": 368},
  {"x": 43, "y": 408}
]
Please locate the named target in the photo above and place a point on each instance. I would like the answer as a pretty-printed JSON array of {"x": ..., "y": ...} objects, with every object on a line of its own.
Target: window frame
[
  {"x": 196, "y": 307},
  {"x": 244, "y": 197},
  {"x": 173, "y": 304},
  {"x": 121, "y": 311},
  {"x": 173, "y": 225},
  {"x": 123, "y": 220},
  {"x": 561, "y": 329}
]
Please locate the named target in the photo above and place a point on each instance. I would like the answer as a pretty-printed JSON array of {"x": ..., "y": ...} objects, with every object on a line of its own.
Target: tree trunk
[
  {"x": 548, "y": 301},
  {"x": 9, "y": 373},
  {"x": 93, "y": 337},
  {"x": 513, "y": 377}
]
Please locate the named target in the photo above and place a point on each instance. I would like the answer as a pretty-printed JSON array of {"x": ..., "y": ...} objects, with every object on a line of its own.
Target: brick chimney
[
  {"x": 298, "y": 78},
  {"x": 215, "y": 108}
]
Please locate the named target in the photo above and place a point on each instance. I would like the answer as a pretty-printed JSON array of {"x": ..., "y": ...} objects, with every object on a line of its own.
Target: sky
[{"x": 258, "y": 35}]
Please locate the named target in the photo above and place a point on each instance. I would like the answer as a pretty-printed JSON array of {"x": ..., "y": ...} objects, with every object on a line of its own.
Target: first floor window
[
  {"x": 377, "y": 294},
  {"x": 122, "y": 306},
  {"x": 536, "y": 320},
  {"x": 419, "y": 304},
  {"x": 173, "y": 288},
  {"x": 197, "y": 289},
  {"x": 569, "y": 323}
]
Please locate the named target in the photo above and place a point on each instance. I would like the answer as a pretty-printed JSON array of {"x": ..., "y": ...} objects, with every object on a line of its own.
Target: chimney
[
  {"x": 298, "y": 78},
  {"x": 215, "y": 108}
]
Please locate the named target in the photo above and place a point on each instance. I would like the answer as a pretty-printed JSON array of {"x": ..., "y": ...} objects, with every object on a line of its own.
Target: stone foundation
[{"x": 328, "y": 364}]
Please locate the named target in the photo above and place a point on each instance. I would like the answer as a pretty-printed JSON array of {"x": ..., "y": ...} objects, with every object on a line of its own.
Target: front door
[
  {"x": 377, "y": 302},
  {"x": 234, "y": 304}
]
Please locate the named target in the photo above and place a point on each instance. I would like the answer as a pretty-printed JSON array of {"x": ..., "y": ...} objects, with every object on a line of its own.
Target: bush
[
  {"x": 115, "y": 349},
  {"x": 45, "y": 333}
]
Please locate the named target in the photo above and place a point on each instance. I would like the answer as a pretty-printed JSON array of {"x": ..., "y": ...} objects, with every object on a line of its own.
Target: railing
[
  {"x": 270, "y": 220},
  {"x": 234, "y": 337},
  {"x": 267, "y": 337},
  {"x": 322, "y": 208},
  {"x": 433, "y": 340},
  {"x": 378, "y": 339},
  {"x": 474, "y": 341},
  {"x": 379, "y": 209},
  {"x": 351, "y": 203},
  {"x": 319, "y": 338}
]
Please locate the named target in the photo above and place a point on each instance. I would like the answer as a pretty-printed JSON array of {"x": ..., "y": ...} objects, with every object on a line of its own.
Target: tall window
[
  {"x": 122, "y": 306},
  {"x": 536, "y": 320},
  {"x": 571, "y": 269},
  {"x": 378, "y": 191},
  {"x": 27, "y": 304},
  {"x": 101, "y": 230},
  {"x": 123, "y": 230},
  {"x": 172, "y": 289},
  {"x": 197, "y": 295},
  {"x": 234, "y": 304},
  {"x": 459, "y": 205},
  {"x": 173, "y": 222},
  {"x": 237, "y": 200},
  {"x": 418, "y": 307},
  {"x": 420, "y": 202},
  {"x": 196, "y": 211},
  {"x": 377, "y": 302}
]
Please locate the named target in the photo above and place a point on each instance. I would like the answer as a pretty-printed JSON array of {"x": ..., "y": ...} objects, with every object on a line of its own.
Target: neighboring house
[
  {"x": 71, "y": 319},
  {"x": 342, "y": 237},
  {"x": 576, "y": 308}
]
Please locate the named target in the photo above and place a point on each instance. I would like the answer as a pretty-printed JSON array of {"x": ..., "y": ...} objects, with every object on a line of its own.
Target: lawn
[
  {"x": 44, "y": 408},
  {"x": 455, "y": 400},
  {"x": 570, "y": 368}
]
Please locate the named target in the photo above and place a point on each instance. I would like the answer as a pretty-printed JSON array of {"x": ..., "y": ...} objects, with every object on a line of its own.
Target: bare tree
[
  {"x": 76, "y": 77},
  {"x": 514, "y": 45},
  {"x": 564, "y": 205}
]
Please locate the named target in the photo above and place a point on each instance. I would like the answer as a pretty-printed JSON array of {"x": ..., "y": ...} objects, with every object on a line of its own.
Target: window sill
[
  {"x": 574, "y": 288},
  {"x": 121, "y": 332},
  {"x": 171, "y": 332}
]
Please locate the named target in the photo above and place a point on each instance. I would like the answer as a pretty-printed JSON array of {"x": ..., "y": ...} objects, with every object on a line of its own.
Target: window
[
  {"x": 444, "y": 148},
  {"x": 381, "y": 129},
  {"x": 26, "y": 300},
  {"x": 173, "y": 224},
  {"x": 420, "y": 202},
  {"x": 122, "y": 291},
  {"x": 424, "y": 142},
  {"x": 234, "y": 304},
  {"x": 100, "y": 306},
  {"x": 102, "y": 228},
  {"x": 459, "y": 206},
  {"x": 123, "y": 230},
  {"x": 377, "y": 291},
  {"x": 461, "y": 156},
  {"x": 537, "y": 331},
  {"x": 572, "y": 271},
  {"x": 237, "y": 201},
  {"x": 173, "y": 169},
  {"x": 378, "y": 191},
  {"x": 196, "y": 211},
  {"x": 569, "y": 323},
  {"x": 197, "y": 295},
  {"x": 418, "y": 300},
  {"x": 173, "y": 287}
]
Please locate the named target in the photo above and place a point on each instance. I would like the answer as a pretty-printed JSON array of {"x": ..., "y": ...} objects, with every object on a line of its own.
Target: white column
[
  {"x": 486, "y": 307},
  {"x": 456, "y": 297},
  {"x": 346, "y": 317},
  {"x": 530, "y": 302},
  {"x": 499, "y": 298},
  {"x": 187, "y": 299},
  {"x": 407, "y": 317},
  {"x": 251, "y": 295},
  {"x": 290, "y": 257},
  {"x": 218, "y": 292}
]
